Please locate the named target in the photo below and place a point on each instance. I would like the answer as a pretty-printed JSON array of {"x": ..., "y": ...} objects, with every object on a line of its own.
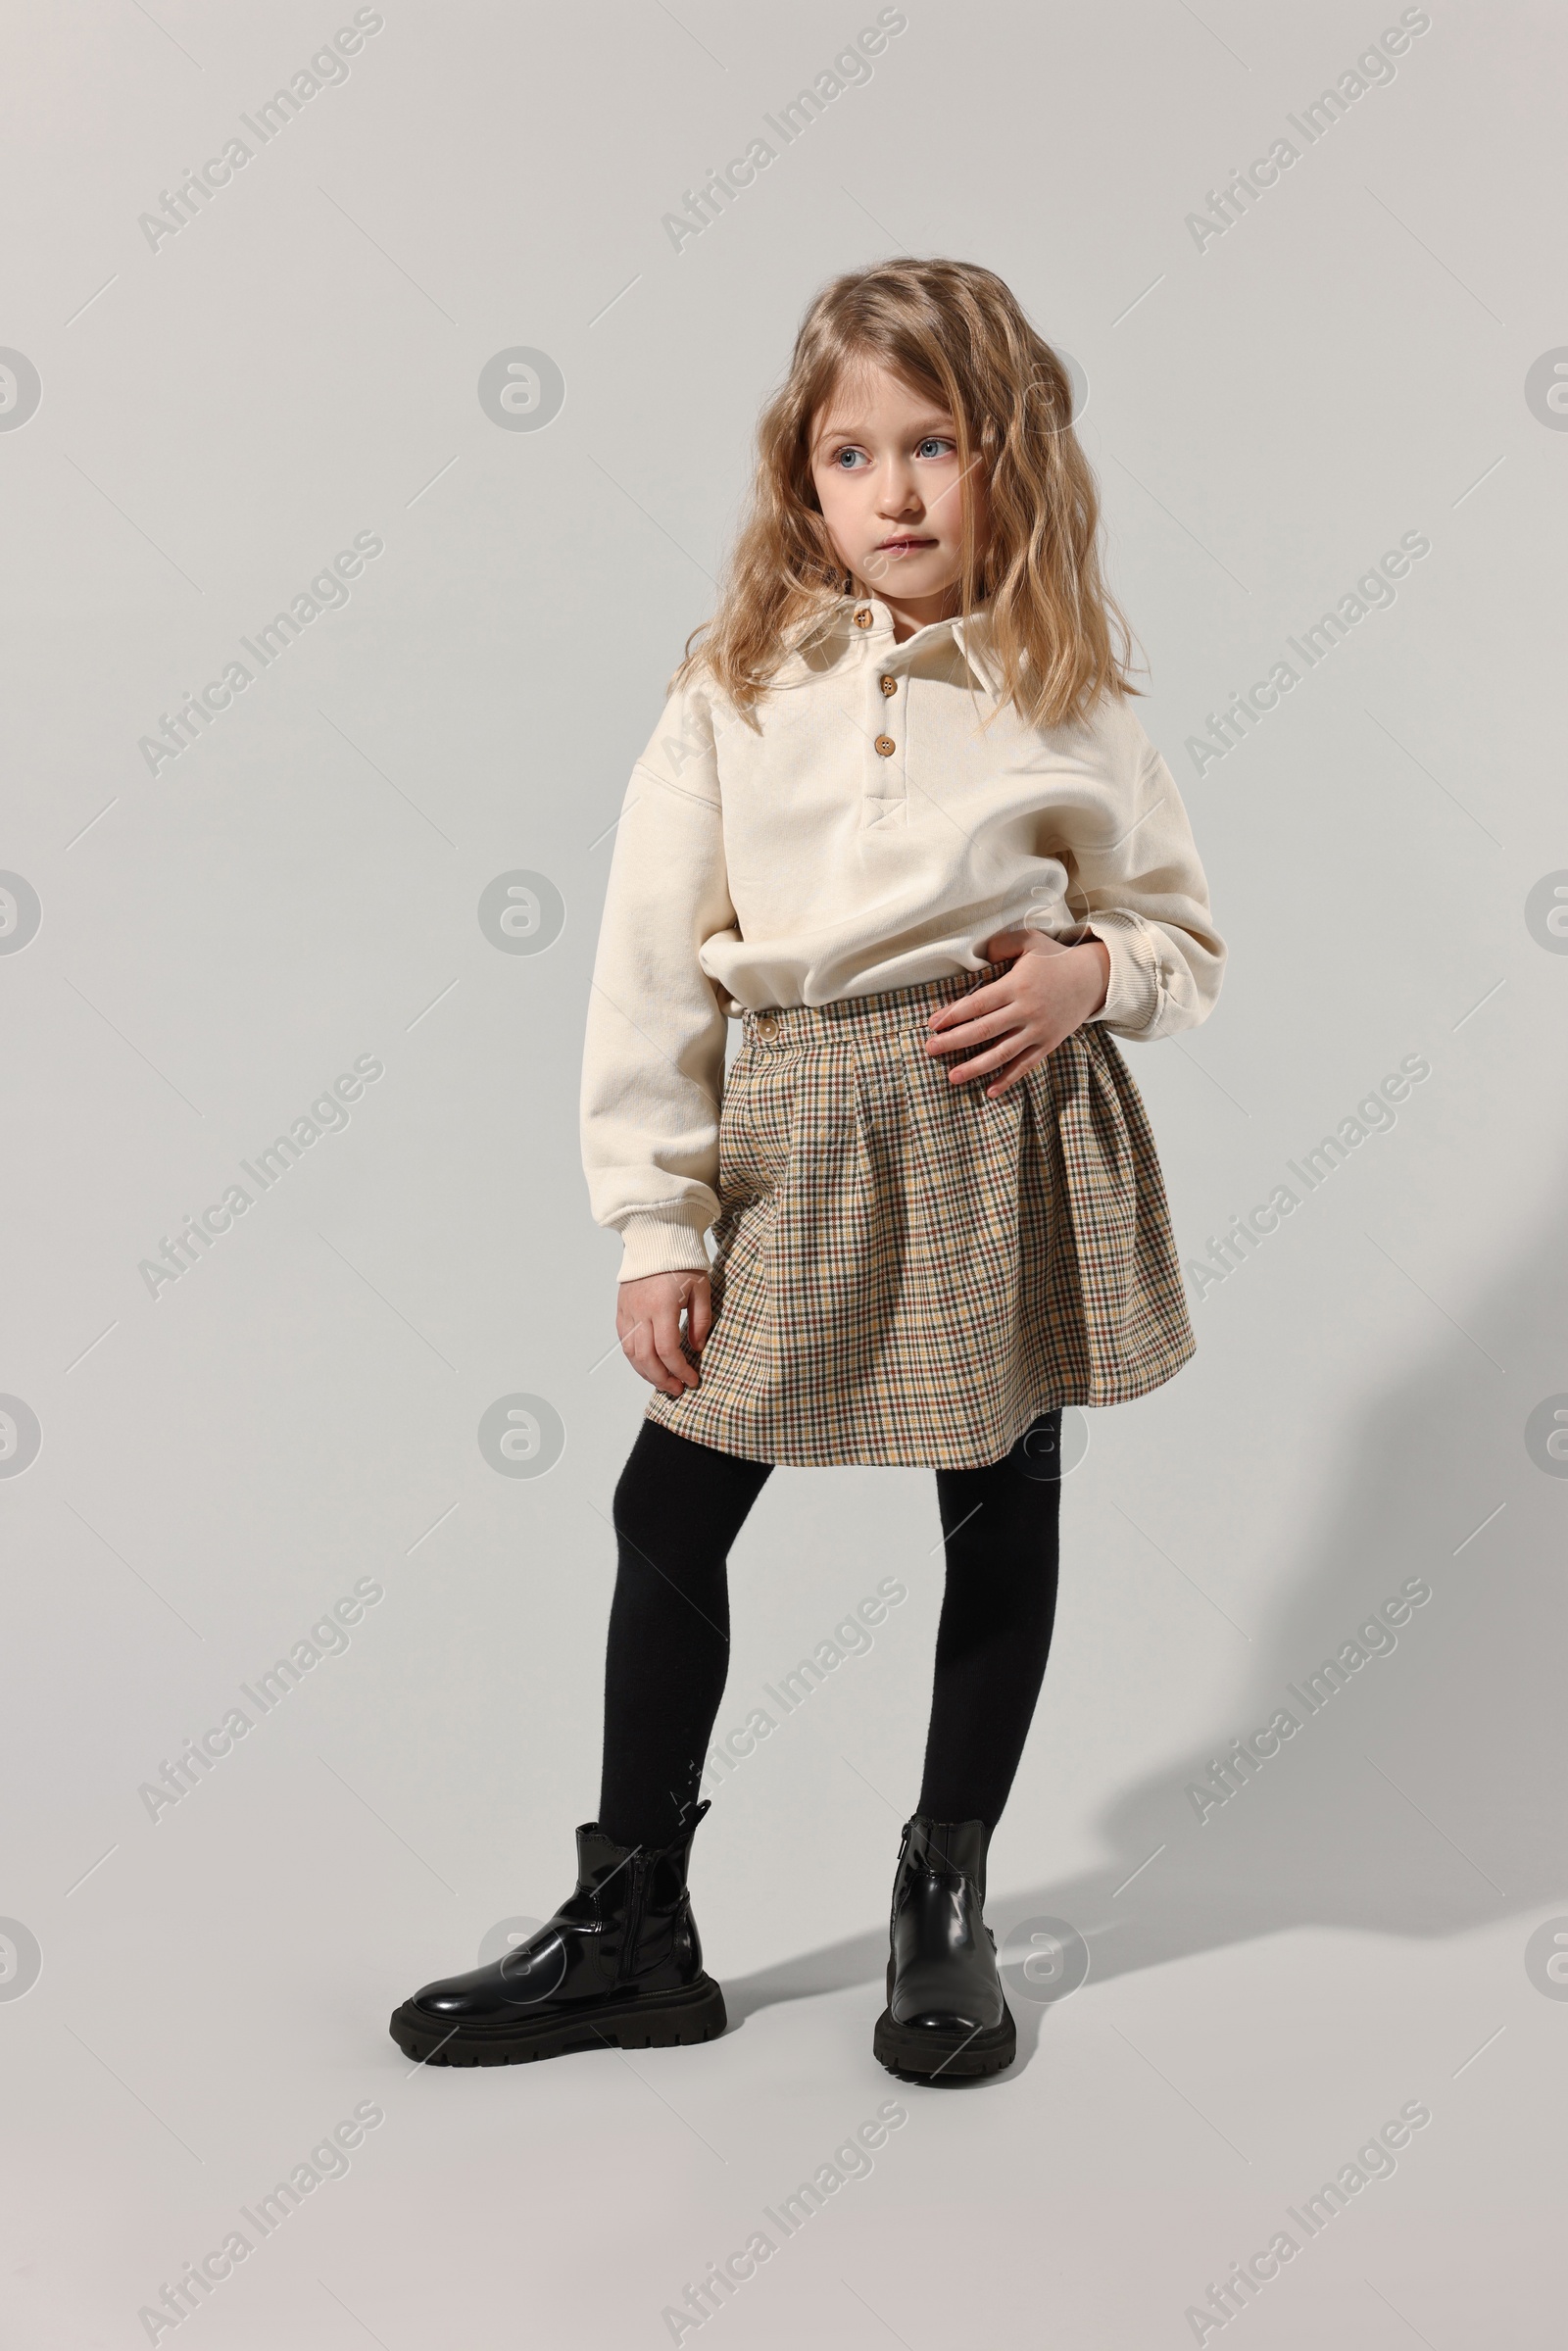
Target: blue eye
[
  {"x": 844, "y": 455},
  {"x": 934, "y": 444}
]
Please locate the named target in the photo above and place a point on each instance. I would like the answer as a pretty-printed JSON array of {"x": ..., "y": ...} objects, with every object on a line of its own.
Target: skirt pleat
[{"x": 908, "y": 1273}]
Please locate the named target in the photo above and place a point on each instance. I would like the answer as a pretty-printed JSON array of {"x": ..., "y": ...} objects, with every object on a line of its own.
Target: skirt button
[{"x": 766, "y": 1027}]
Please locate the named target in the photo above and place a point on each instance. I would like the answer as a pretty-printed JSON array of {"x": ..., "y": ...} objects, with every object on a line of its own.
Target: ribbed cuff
[
  {"x": 658, "y": 1243},
  {"x": 1132, "y": 995}
]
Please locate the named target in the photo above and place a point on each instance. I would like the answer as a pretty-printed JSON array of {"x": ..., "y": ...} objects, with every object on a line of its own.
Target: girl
[{"x": 899, "y": 820}]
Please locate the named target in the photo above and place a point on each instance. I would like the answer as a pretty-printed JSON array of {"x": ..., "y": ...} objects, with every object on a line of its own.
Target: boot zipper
[
  {"x": 897, "y": 1876},
  {"x": 636, "y": 1902}
]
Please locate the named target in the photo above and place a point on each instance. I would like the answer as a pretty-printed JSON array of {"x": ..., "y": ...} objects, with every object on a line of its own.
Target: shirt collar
[
  {"x": 965, "y": 634},
  {"x": 875, "y": 636},
  {"x": 971, "y": 636}
]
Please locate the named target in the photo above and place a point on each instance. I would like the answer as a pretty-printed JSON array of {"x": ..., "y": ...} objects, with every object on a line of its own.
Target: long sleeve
[
  {"x": 654, "y": 1052},
  {"x": 1145, "y": 895}
]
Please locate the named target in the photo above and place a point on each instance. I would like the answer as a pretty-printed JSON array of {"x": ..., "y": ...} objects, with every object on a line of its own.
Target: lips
[{"x": 902, "y": 546}]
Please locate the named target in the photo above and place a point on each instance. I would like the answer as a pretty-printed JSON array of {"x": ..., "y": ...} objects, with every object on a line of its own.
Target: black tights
[{"x": 679, "y": 1509}]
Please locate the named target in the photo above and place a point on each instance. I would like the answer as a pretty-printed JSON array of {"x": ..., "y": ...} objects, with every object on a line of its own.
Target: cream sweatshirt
[{"x": 860, "y": 830}]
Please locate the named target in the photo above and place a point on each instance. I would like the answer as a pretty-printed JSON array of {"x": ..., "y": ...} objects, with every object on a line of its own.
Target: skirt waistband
[{"x": 890, "y": 1009}]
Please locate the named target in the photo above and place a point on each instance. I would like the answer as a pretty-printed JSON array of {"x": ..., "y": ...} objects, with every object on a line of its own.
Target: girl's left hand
[{"x": 1050, "y": 991}]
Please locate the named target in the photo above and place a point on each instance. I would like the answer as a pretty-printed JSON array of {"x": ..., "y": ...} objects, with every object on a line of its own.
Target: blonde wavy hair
[{"x": 957, "y": 334}]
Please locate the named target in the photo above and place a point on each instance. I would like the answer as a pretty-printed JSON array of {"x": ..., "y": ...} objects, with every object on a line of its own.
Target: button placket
[{"x": 886, "y": 794}]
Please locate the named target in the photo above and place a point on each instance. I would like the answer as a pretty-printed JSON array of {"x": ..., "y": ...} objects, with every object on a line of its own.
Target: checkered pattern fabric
[{"x": 906, "y": 1272}]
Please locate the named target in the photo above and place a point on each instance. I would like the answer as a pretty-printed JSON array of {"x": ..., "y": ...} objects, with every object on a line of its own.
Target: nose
[{"x": 897, "y": 493}]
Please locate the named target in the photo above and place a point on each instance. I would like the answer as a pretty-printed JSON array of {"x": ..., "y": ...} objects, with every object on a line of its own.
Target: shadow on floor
[{"x": 1419, "y": 1800}]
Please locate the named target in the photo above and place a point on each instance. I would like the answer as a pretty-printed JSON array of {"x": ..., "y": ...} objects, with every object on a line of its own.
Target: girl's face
[{"x": 885, "y": 464}]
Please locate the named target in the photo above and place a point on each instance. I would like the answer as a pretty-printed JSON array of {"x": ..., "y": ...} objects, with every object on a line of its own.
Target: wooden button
[
  {"x": 863, "y": 620},
  {"x": 889, "y": 685},
  {"x": 886, "y": 746}
]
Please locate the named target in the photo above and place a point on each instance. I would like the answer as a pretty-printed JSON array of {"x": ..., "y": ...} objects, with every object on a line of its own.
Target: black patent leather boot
[
  {"x": 620, "y": 1966},
  {"x": 947, "y": 2016}
]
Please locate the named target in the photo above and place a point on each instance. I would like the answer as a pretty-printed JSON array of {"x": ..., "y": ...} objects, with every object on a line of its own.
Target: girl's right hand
[{"x": 648, "y": 1319}]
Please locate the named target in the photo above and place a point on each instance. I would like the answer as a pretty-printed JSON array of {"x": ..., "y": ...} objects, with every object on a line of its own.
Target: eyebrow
[{"x": 939, "y": 420}]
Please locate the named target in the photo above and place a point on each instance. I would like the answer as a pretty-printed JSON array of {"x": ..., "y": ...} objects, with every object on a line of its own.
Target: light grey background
[{"x": 300, "y": 1410}]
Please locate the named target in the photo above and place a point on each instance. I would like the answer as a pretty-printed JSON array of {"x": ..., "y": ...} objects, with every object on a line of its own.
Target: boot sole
[
  {"x": 656, "y": 2021},
  {"x": 917, "y": 2054}
]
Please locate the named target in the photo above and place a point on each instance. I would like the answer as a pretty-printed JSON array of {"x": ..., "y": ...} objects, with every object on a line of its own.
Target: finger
[
  {"x": 1019, "y": 1068},
  {"x": 1006, "y": 1051},
  {"x": 639, "y": 1346},
  {"x": 993, "y": 997},
  {"x": 686, "y": 1298},
  {"x": 1007, "y": 1022},
  {"x": 648, "y": 1366},
  {"x": 667, "y": 1347},
  {"x": 699, "y": 1314}
]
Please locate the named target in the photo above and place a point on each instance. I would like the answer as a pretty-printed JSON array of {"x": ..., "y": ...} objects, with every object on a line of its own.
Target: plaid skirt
[{"x": 908, "y": 1273}]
